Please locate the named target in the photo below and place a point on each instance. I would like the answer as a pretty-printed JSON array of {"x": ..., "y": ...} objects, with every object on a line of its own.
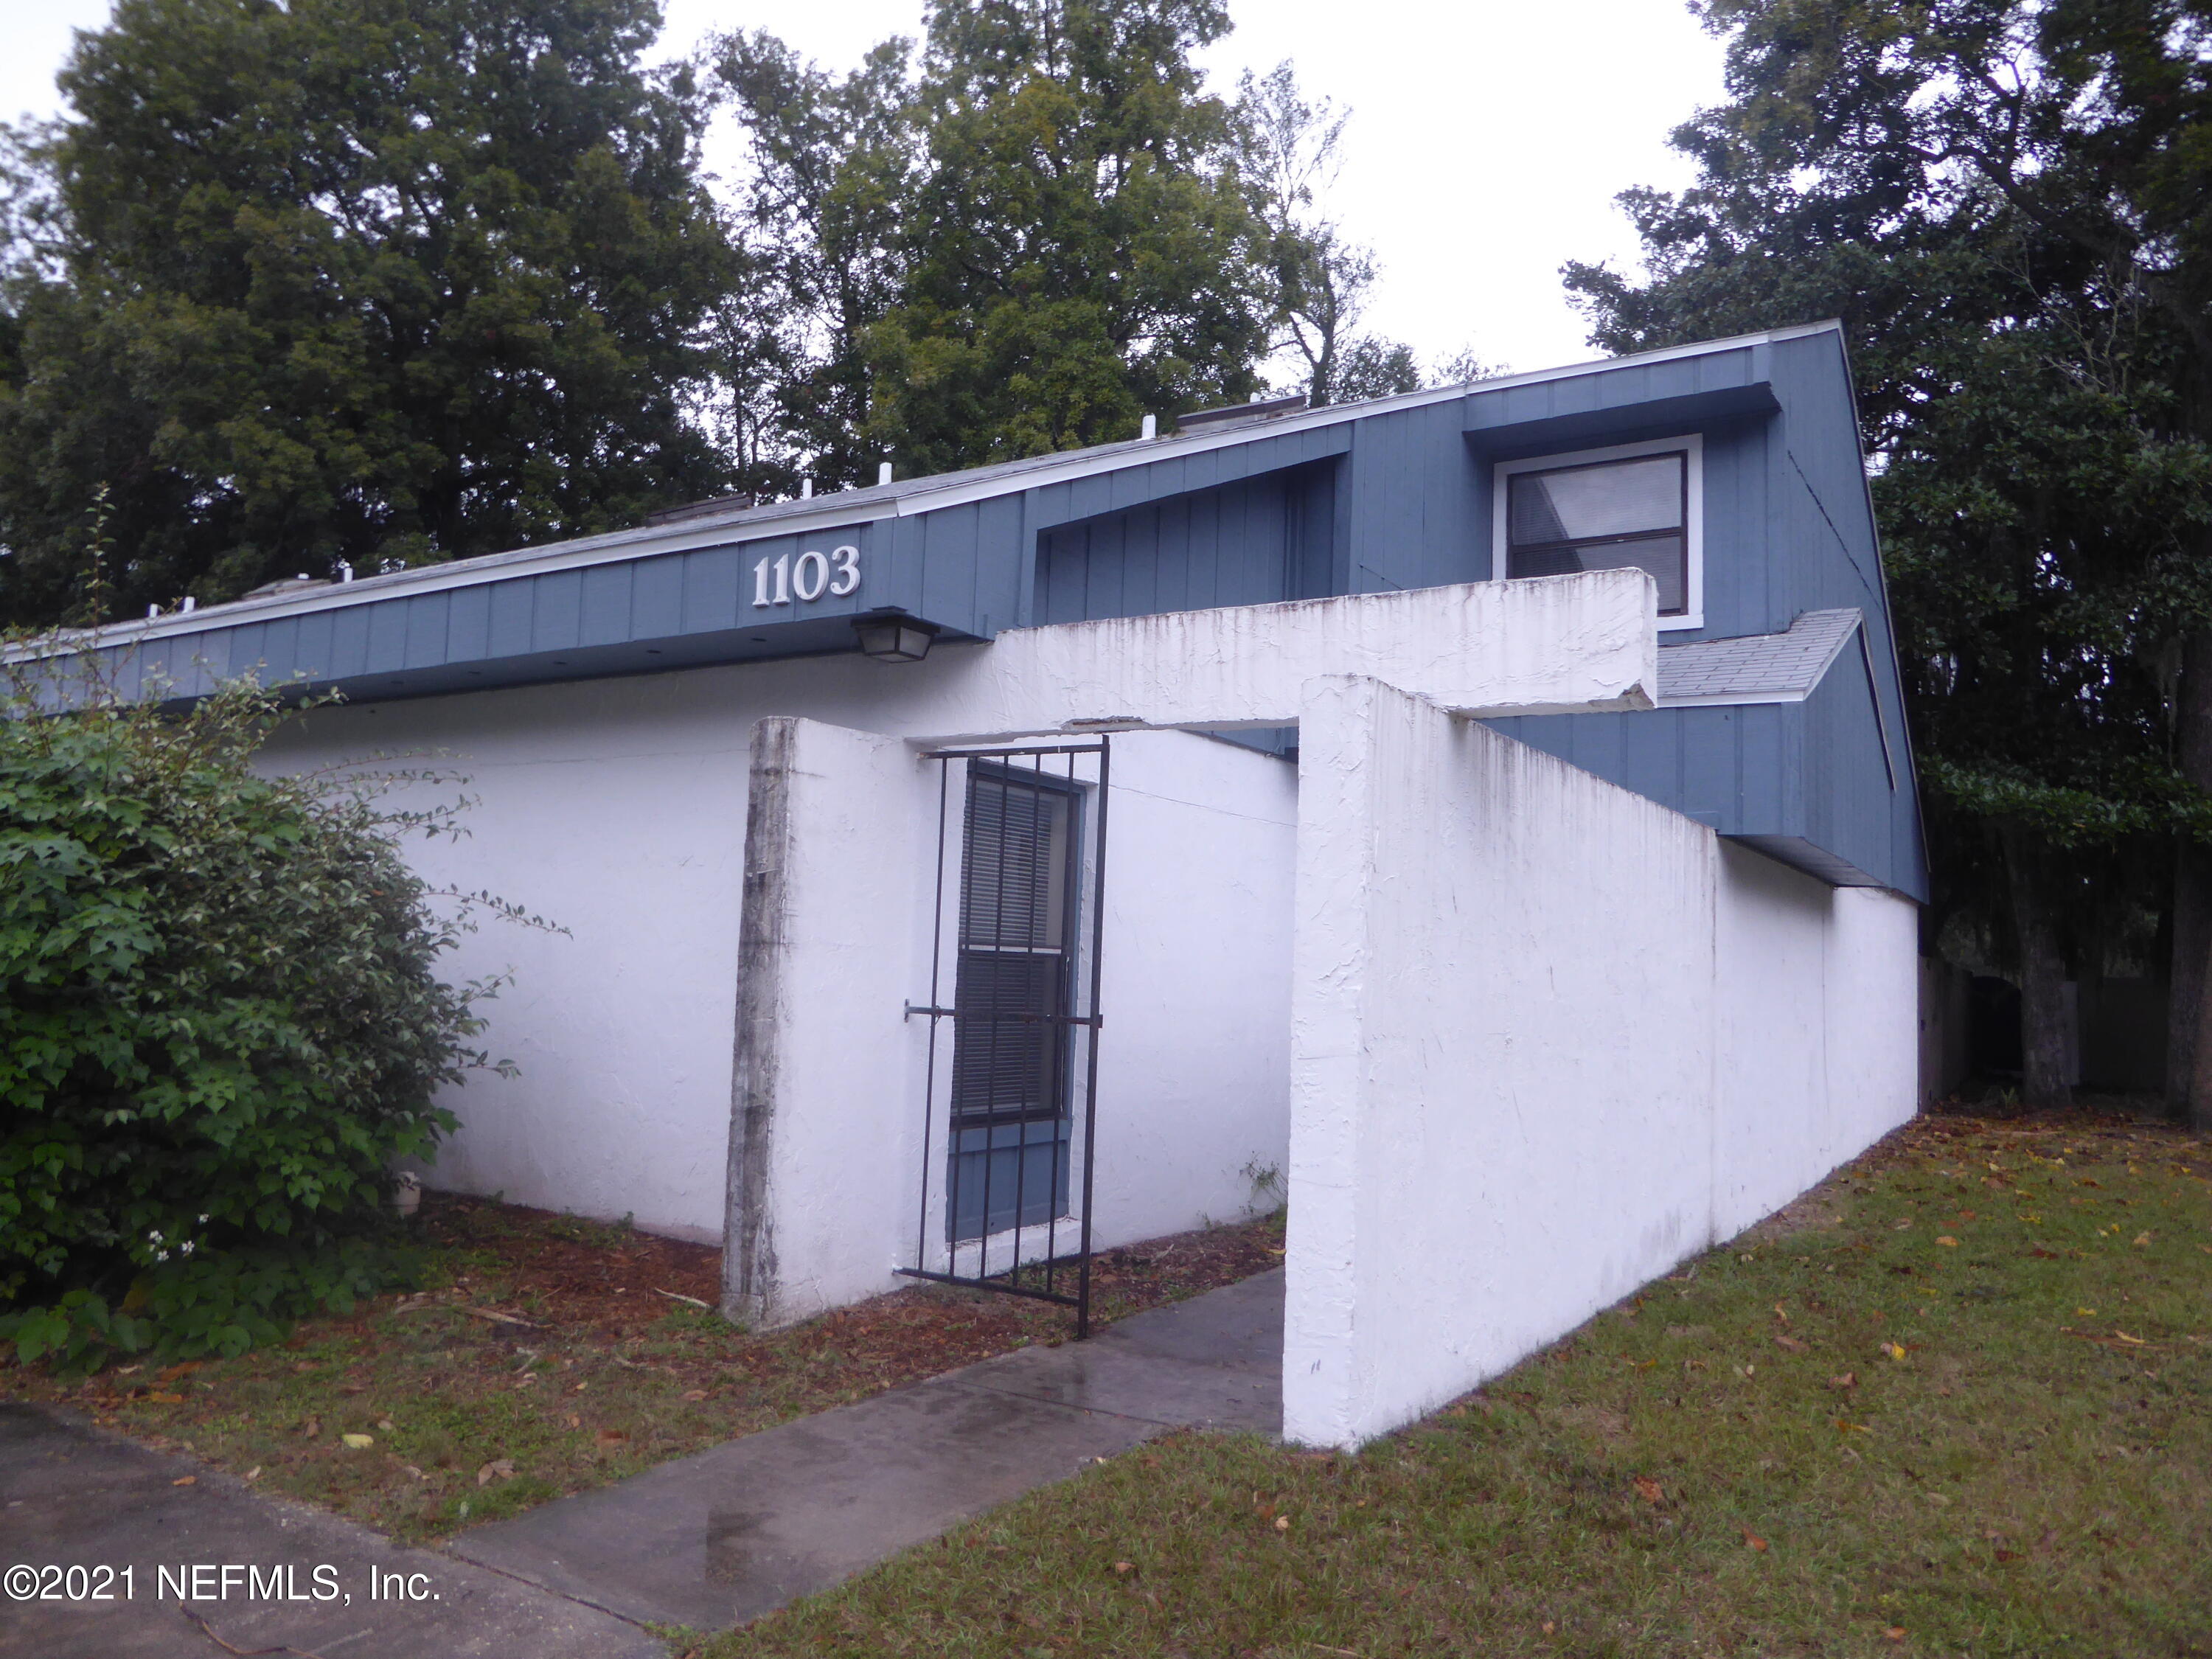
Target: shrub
[{"x": 220, "y": 1024}]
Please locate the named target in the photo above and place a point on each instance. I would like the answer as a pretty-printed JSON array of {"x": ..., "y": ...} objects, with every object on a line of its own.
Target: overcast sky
[{"x": 1487, "y": 142}]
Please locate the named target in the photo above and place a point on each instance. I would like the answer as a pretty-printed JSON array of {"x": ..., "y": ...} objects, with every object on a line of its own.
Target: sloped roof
[
  {"x": 1759, "y": 667},
  {"x": 900, "y": 498}
]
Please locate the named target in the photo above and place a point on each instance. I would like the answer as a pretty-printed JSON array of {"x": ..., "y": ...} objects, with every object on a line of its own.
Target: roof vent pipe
[
  {"x": 884, "y": 473},
  {"x": 806, "y": 490},
  {"x": 1152, "y": 428}
]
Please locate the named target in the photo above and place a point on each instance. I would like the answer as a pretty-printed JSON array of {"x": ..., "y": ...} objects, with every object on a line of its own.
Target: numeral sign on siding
[{"x": 782, "y": 580}]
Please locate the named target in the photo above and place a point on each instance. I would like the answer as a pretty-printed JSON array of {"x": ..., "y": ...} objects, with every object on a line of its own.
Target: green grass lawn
[{"x": 1960, "y": 1402}]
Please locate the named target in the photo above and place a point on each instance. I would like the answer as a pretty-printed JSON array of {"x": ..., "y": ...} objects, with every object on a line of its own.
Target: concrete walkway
[
  {"x": 726, "y": 1536},
  {"x": 71, "y": 1495}
]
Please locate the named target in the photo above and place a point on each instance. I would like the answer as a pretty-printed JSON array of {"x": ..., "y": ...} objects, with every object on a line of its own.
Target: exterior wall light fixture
[{"x": 892, "y": 635}]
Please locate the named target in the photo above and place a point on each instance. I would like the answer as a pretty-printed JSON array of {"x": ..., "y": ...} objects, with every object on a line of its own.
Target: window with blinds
[
  {"x": 1604, "y": 515},
  {"x": 1011, "y": 983}
]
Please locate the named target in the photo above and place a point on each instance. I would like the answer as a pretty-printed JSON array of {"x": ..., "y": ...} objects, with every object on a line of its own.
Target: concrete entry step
[{"x": 723, "y": 1537}]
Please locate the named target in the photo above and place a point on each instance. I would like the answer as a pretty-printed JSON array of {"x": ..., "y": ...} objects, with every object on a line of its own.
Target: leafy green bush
[{"x": 220, "y": 1024}]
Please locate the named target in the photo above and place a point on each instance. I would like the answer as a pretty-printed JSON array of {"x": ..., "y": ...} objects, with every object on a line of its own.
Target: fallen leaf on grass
[
  {"x": 2142, "y": 1238},
  {"x": 1779, "y": 1315},
  {"x": 1753, "y": 1540},
  {"x": 500, "y": 1469},
  {"x": 1125, "y": 1566},
  {"x": 694, "y": 1394},
  {"x": 1852, "y": 1428},
  {"x": 610, "y": 1436},
  {"x": 254, "y": 1473},
  {"x": 1792, "y": 1344},
  {"x": 358, "y": 1442},
  {"x": 1282, "y": 1524},
  {"x": 1848, "y": 1380},
  {"x": 185, "y": 1481},
  {"x": 1895, "y": 1633},
  {"x": 1649, "y": 1490},
  {"x": 1894, "y": 1350},
  {"x": 1948, "y": 1242},
  {"x": 165, "y": 1400}
]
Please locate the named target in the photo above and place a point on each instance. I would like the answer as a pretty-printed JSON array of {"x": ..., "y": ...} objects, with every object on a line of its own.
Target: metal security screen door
[{"x": 1024, "y": 1017}]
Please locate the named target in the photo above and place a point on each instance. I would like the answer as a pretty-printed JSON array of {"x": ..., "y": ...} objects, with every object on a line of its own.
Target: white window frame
[{"x": 1693, "y": 512}]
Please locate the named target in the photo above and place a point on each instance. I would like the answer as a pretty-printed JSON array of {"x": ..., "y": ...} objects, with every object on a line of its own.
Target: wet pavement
[
  {"x": 723, "y": 1537},
  {"x": 257, "y": 1574}
]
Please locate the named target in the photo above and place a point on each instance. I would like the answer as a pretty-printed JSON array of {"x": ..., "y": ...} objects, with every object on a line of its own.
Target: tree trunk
[
  {"x": 2189, "y": 1057},
  {"x": 2042, "y": 1023},
  {"x": 2192, "y": 939}
]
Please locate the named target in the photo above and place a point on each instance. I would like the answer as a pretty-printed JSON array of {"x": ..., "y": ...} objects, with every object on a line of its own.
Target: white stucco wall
[
  {"x": 1816, "y": 996},
  {"x": 1501, "y": 1055},
  {"x": 1549, "y": 1038},
  {"x": 616, "y": 808},
  {"x": 1194, "y": 1058},
  {"x": 828, "y": 1097}
]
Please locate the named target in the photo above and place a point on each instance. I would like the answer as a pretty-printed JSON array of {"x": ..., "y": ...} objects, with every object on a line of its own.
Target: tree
[
  {"x": 369, "y": 280},
  {"x": 2007, "y": 204},
  {"x": 1318, "y": 279},
  {"x": 830, "y": 163},
  {"x": 1024, "y": 241}
]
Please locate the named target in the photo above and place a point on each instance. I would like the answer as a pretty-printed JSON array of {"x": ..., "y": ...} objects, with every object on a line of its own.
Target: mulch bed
[{"x": 543, "y": 1355}]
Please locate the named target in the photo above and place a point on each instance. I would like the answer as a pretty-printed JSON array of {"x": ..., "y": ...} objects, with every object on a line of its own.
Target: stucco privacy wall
[
  {"x": 1548, "y": 1038},
  {"x": 1816, "y": 1016},
  {"x": 1500, "y": 1060}
]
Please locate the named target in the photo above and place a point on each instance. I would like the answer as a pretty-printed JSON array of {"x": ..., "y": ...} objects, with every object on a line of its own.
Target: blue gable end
[{"x": 1394, "y": 493}]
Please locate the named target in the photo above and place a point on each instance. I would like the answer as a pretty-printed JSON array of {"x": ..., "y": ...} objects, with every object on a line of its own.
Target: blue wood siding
[
  {"x": 1248, "y": 542},
  {"x": 1393, "y": 497}
]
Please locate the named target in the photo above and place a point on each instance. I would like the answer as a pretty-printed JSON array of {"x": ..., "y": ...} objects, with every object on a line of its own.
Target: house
[{"x": 1484, "y": 814}]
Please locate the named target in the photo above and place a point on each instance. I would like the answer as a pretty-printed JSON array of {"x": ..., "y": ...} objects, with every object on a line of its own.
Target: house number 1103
[{"x": 780, "y": 580}]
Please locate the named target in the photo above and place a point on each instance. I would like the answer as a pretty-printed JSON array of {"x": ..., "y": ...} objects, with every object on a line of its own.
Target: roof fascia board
[
  {"x": 922, "y": 495},
  {"x": 474, "y": 573}
]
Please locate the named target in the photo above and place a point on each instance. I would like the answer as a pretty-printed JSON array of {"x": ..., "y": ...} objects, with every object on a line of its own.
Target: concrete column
[{"x": 825, "y": 1119}]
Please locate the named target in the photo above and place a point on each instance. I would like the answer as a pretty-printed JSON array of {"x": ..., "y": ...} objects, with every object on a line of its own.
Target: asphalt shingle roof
[{"x": 1759, "y": 667}]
